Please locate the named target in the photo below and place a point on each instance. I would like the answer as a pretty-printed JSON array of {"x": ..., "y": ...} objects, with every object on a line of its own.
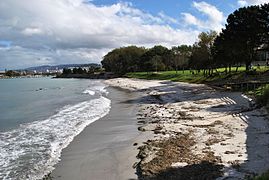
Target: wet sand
[{"x": 104, "y": 150}]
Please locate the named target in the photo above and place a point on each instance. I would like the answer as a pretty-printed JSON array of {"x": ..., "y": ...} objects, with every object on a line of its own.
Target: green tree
[
  {"x": 11, "y": 73},
  {"x": 181, "y": 57},
  {"x": 67, "y": 71},
  {"x": 264, "y": 23},
  {"x": 123, "y": 60},
  {"x": 245, "y": 31},
  {"x": 75, "y": 71},
  {"x": 158, "y": 56},
  {"x": 80, "y": 71},
  {"x": 201, "y": 58}
]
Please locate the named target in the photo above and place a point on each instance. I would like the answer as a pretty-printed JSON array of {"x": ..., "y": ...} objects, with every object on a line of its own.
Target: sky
[{"x": 51, "y": 32}]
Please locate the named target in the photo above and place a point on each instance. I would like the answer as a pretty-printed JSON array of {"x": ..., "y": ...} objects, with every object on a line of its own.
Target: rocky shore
[{"x": 199, "y": 133}]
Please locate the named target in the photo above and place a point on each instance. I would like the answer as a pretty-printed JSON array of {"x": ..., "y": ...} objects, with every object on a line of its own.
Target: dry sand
[{"x": 200, "y": 133}]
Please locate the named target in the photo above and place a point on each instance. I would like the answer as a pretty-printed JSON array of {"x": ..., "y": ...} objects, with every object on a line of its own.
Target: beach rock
[
  {"x": 141, "y": 122},
  {"x": 141, "y": 128}
]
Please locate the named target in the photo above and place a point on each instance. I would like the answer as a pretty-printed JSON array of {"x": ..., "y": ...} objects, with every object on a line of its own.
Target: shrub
[
  {"x": 263, "y": 98},
  {"x": 264, "y": 176}
]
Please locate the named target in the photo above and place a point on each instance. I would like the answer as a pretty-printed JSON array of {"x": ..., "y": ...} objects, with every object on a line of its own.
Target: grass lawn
[{"x": 188, "y": 76}]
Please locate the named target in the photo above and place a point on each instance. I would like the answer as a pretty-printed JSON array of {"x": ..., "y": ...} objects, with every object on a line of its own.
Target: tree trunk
[
  {"x": 211, "y": 71},
  {"x": 248, "y": 64}
]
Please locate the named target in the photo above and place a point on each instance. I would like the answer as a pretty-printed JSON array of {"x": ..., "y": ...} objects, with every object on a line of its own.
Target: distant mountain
[{"x": 57, "y": 67}]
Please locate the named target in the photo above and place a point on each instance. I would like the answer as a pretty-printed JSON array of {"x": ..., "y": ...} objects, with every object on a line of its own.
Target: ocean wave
[
  {"x": 100, "y": 89},
  {"x": 97, "y": 89},
  {"x": 90, "y": 92},
  {"x": 31, "y": 151}
]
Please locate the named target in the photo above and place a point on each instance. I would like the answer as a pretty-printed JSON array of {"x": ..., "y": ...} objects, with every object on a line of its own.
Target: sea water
[{"x": 41, "y": 116}]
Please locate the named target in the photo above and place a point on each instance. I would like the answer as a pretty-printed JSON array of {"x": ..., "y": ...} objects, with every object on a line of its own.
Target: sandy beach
[
  {"x": 200, "y": 133},
  {"x": 166, "y": 130}
]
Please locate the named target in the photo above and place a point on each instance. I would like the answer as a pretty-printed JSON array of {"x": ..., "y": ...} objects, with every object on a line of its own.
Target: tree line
[
  {"x": 246, "y": 30},
  {"x": 89, "y": 70}
]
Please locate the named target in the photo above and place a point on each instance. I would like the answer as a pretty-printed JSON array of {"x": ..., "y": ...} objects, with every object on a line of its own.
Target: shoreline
[
  {"x": 106, "y": 148},
  {"x": 175, "y": 130},
  {"x": 26, "y": 77},
  {"x": 199, "y": 132}
]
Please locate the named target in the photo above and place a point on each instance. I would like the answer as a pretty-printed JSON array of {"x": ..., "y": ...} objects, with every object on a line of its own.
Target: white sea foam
[
  {"x": 90, "y": 92},
  {"x": 96, "y": 89},
  {"x": 31, "y": 151},
  {"x": 100, "y": 89}
]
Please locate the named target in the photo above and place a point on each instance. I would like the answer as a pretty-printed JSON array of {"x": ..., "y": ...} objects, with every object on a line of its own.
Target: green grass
[
  {"x": 264, "y": 176},
  {"x": 243, "y": 69},
  {"x": 188, "y": 76},
  {"x": 262, "y": 95}
]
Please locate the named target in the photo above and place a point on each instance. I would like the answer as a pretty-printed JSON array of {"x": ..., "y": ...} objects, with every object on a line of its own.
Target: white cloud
[
  {"x": 251, "y": 2},
  {"x": 190, "y": 19},
  {"x": 214, "y": 21},
  {"x": 168, "y": 19},
  {"x": 31, "y": 31},
  {"x": 19, "y": 57},
  {"x": 81, "y": 32},
  {"x": 242, "y": 3}
]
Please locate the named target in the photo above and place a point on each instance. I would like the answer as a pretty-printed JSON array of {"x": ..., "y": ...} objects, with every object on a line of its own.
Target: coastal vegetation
[
  {"x": 245, "y": 35},
  {"x": 75, "y": 71},
  {"x": 124, "y": 60},
  {"x": 85, "y": 70},
  {"x": 11, "y": 73},
  {"x": 20, "y": 74},
  {"x": 262, "y": 94},
  {"x": 230, "y": 59},
  {"x": 264, "y": 176},
  {"x": 235, "y": 74},
  {"x": 92, "y": 72}
]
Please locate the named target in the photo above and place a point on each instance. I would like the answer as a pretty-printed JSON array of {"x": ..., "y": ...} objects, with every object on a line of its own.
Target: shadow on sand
[
  {"x": 257, "y": 131},
  {"x": 203, "y": 171},
  {"x": 171, "y": 92}
]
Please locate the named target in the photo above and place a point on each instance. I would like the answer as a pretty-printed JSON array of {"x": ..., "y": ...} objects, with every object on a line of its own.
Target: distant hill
[{"x": 57, "y": 67}]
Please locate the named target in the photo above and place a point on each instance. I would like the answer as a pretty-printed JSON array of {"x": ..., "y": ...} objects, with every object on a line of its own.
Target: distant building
[
  {"x": 262, "y": 55},
  {"x": 2, "y": 73}
]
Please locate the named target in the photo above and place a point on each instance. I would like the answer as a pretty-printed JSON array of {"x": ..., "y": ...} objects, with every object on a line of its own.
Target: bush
[
  {"x": 263, "y": 98},
  {"x": 264, "y": 176}
]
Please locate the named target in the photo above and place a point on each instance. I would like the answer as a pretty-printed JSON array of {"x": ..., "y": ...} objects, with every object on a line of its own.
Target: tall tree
[
  {"x": 225, "y": 50},
  {"x": 201, "y": 57},
  {"x": 182, "y": 55},
  {"x": 158, "y": 56},
  {"x": 264, "y": 21},
  {"x": 244, "y": 32},
  {"x": 123, "y": 60}
]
